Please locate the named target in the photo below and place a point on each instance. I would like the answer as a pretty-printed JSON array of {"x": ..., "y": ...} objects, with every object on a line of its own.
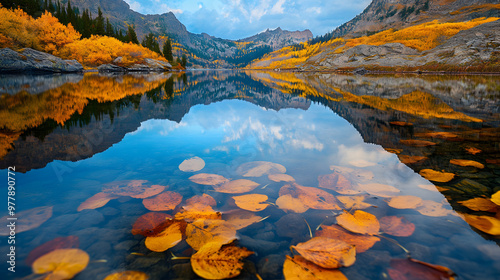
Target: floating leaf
[
  {"x": 237, "y": 186},
  {"x": 241, "y": 219},
  {"x": 354, "y": 202},
  {"x": 394, "y": 151},
  {"x": 192, "y": 164},
  {"x": 466, "y": 162},
  {"x": 208, "y": 179},
  {"x": 251, "y": 202},
  {"x": 473, "y": 150},
  {"x": 197, "y": 211},
  {"x": 432, "y": 209},
  {"x": 396, "y": 226},
  {"x": 490, "y": 225},
  {"x": 166, "y": 239},
  {"x": 405, "y": 202},
  {"x": 61, "y": 263},
  {"x": 128, "y": 275},
  {"x": 288, "y": 203},
  {"x": 133, "y": 188},
  {"x": 311, "y": 197},
  {"x": 163, "y": 202},
  {"x": 439, "y": 134},
  {"x": 201, "y": 232},
  {"x": 98, "y": 200},
  {"x": 353, "y": 174},
  {"x": 407, "y": 159},
  {"x": 361, "y": 163},
  {"x": 359, "y": 222},
  {"x": 436, "y": 176},
  {"x": 338, "y": 183},
  {"x": 327, "y": 252},
  {"x": 204, "y": 199},
  {"x": 400, "y": 123},
  {"x": 495, "y": 198},
  {"x": 54, "y": 244},
  {"x": 480, "y": 204},
  {"x": 430, "y": 187},
  {"x": 408, "y": 269},
  {"x": 150, "y": 224},
  {"x": 377, "y": 189},
  {"x": 360, "y": 241},
  {"x": 281, "y": 178},
  {"x": 214, "y": 261},
  {"x": 259, "y": 168},
  {"x": 417, "y": 143},
  {"x": 299, "y": 268},
  {"x": 28, "y": 219}
]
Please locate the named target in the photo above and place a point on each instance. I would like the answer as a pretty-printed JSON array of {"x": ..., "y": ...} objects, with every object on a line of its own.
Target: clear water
[{"x": 69, "y": 135}]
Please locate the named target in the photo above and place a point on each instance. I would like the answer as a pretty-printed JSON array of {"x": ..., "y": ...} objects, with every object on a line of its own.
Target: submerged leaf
[
  {"x": 204, "y": 199},
  {"x": 327, "y": 252},
  {"x": 197, "y": 211},
  {"x": 353, "y": 174},
  {"x": 299, "y": 268},
  {"x": 488, "y": 224},
  {"x": 208, "y": 179},
  {"x": 432, "y": 209},
  {"x": 396, "y": 226},
  {"x": 338, "y": 183},
  {"x": 28, "y": 219},
  {"x": 98, "y": 200},
  {"x": 281, "y": 178},
  {"x": 480, "y": 204},
  {"x": 361, "y": 163},
  {"x": 54, "y": 244},
  {"x": 128, "y": 275},
  {"x": 405, "y": 202},
  {"x": 133, "y": 188},
  {"x": 359, "y": 222},
  {"x": 466, "y": 162},
  {"x": 311, "y": 197},
  {"x": 61, "y": 263},
  {"x": 241, "y": 219},
  {"x": 411, "y": 269},
  {"x": 166, "y": 239},
  {"x": 251, "y": 202},
  {"x": 354, "y": 202},
  {"x": 163, "y": 202},
  {"x": 214, "y": 261},
  {"x": 288, "y": 203},
  {"x": 150, "y": 224},
  {"x": 192, "y": 164},
  {"x": 259, "y": 168},
  {"x": 201, "y": 232},
  {"x": 236, "y": 186},
  {"x": 360, "y": 241},
  {"x": 377, "y": 189},
  {"x": 436, "y": 176}
]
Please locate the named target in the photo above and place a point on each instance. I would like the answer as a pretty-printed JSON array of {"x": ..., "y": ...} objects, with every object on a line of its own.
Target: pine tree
[
  {"x": 99, "y": 23},
  {"x": 131, "y": 35},
  {"x": 167, "y": 51},
  {"x": 184, "y": 60},
  {"x": 109, "y": 29}
]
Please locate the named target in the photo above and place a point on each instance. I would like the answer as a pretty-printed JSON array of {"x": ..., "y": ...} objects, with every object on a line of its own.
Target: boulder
[
  {"x": 106, "y": 68},
  {"x": 30, "y": 60},
  {"x": 157, "y": 65}
]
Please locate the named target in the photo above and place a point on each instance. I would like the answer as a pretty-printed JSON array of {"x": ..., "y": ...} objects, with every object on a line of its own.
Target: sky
[{"x": 237, "y": 19}]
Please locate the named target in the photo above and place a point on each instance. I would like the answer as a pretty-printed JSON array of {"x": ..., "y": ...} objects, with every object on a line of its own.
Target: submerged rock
[
  {"x": 30, "y": 60},
  {"x": 149, "y": 65}
]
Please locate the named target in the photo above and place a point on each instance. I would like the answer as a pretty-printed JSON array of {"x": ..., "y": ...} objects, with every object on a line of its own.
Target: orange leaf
[
  {"x": 133, "y": 188},
  {"x": 197, "y": 211},
  {"x": 480, "y": 204},
  {"x": 57, "y": 243},
  {"x": 327, "y": 252},
  {"x": 240, "y": 218},
  {"x": 406, "y": 159},
  {"x": 490, "y": 225},
  {"x": 436, "y": 176},
  {"x": 251, "y": 202},
  {"x": 359, "y": 222},
  {"x": 61, "y": 263},
  {"x": 201, "y": 232},
  {"x": 361, "y": 242},
  {"x": 417, "y": 143},
  {"x": 495, "y": 198},
  {"x": 96, "y": 201},
  {"x": 28, "y": 219},
  {"x": 311, "y": 197},
  {"x": 405, "y": 202},
  {"x": 166, "y": 239},
  {"x": 466, "y": 162},
  {"x": 281, "y": 178},
  {"x": 377, "y": 189},
  {"x": 162, "y": 202},
  {"x": 204, "y": 199},
  {"x": 409, "y": 269},
  {"x": 214, "y": 261},
  {"x": 150, "y": 224},
  {"x": 473, "y": 150},
  {"x": 354, "y": 202},
  {"x": 259, "y": 168},
  {"x": 128, "y": 275},
  {"x": 236, "y": 186},
  {"x": 396, "y": 226},
  {"x": 338, "y": 183},
  {"x": 400, "y": 123},
  {"x": 299, "y": 268},
  {"x": 288, "y": 203},
  {"x": 208, "y": 179}
]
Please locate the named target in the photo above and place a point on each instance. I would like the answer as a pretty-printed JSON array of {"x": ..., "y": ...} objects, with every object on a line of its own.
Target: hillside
[{"x": 279, "y": 38}]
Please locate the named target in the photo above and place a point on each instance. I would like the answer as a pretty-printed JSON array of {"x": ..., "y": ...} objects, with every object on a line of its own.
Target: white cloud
[
  {"x": 316, "y": 10},
  {"x": 278, "y": 8}
]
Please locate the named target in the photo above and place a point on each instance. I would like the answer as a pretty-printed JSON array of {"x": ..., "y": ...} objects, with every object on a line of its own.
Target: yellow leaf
[
  {"x": 360, "y": 241},
  {"x": 480, "y": 204},
  {"x": 128, "y": 275},
  {"x": 61, "y": 263},
  {"x": 208, "y": 179},
  {"x": 236, "y": 186},
  {"x": 214, "y": 261},
  {"x": 96, "y": 201},
  {"x": 251, "y": 202},
  {"x": 406, "y": 159},
  {"x": 163, "y": 202},
  {"x": 354, "y": 202},
  {"x": 327, "y": 252},
  {"x": 197, "y": 211},
  {"x": 299, "y": 268},
  {"x": 490, "y": 225},
  {"x": 288, "y": 203},
  {"x": 436, "y": 176},
  {"x": 495, "y": 198},
  {"x": 166, "y": 239},
  {"x": 311, "y": 197},
  {"x": 405, "y": 202},
  {"x": 281, "y": 178},
  {"x": 240, "y": 218},
  {"x": 377, "y": 189},
  {"x": 259, "y": 168},
  {"x": 466, "y": 162},
  {"x": 192, "y": 164},
  {"x": 201, "y": 232},
  {"x": 359, "y": 222}
]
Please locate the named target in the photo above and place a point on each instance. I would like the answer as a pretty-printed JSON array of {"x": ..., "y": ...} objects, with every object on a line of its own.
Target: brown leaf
[
  {"x": 204, "y": 199},
  {"x": 61, "y": 263},
  {"x": 311, "y": 197},
  {"x": 466, "y": 162},
  {"x": 281, "y": 178},
  {"x": 288, "y": 203},
  {"x": 405, "y": 202},
  {"x": 299, "y": 268},
  {"x": 54, "y": 244},
  {"x": 354, "y": 202},
  {"x": 407, "y": 159},
  {"x": 396, "y": 226},
  {"x": 214, "y": 261},
  {"x": 197, "y": 211},
  {"x": 439, "y": 134},
  {"x": 480, "y": 204},
  {"x": 432, "y": 209},
  {"x": 28, "y": 219},
  {"x": 241, "y": 219},
  {"x": 150, "y": 224},
  {"x": 359, "y": 222},
  {"x": 377, "y": 189},
  {"x": 327, "y": 252},
  {"x": 133, "y": 188},
  {"x": 96, "y": 201},
  {"x": 360, "y": 241},
  {"x": 192, "y": 164},
  {"x": 166, "y": 239},
  {"x": 259, "y": 168},
  {"x": 208, "y": 179},
  {"x": 488, "y": 224},
  {"x": 127, "y": 275},
  {"x": 473, "y": 150},
  {"x": 411, "y": 269},
  {"x": 163, "y": 202},
  {"x": 400, "y": 123},
  {"x": 417, "y": 143},
  {"x": 237, "y": 186},
  {"x": 338, "y": 183},
  {"x": 201, "y": 232},
  {"x": 251, "y": 202},
  {"x": 436, "y": 176}
]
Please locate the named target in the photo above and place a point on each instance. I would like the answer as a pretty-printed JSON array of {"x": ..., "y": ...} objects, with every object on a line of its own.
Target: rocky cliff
[{"x": 279, "y": 38}]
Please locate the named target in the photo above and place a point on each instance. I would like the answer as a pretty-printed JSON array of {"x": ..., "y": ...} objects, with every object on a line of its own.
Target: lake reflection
[{"x": 73, "y": 135}]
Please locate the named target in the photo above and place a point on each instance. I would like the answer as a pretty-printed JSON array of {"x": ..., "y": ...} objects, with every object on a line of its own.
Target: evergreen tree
[
  {"x": 167, "y": 51},
  {"x": 131, "y": 36},
  {"x": 184, "y": 60},
  {"x": 99, "y": 23},
  {"x": 109, "y": 29}
]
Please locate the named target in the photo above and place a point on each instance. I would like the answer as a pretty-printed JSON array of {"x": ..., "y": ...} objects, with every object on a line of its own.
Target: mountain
[{"x": 203, "y": 50}]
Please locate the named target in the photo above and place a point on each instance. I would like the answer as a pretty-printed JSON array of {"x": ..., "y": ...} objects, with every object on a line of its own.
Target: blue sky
[{"x": 236, "y": 19}]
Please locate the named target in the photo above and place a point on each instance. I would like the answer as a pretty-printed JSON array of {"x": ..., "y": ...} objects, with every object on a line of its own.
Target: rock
[
  {"x": 291, "y": 225},
  {"x": 30, "y": 60},
  {"x": 360, "y": 71},
  {"x": 261, "y": 246},
  {"x": 106, "y": 68},
  {"x": 271, "y": 266},
  {"x": 157, "y": 65}
]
